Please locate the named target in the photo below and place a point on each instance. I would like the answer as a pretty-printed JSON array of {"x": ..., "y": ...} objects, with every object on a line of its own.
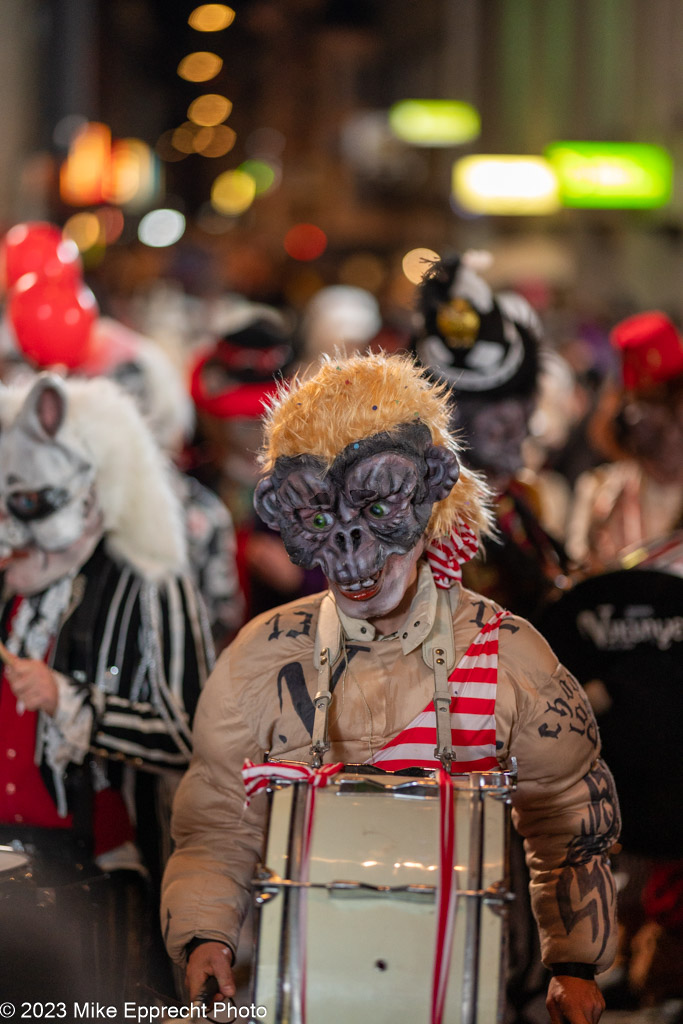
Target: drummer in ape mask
[{"x": 362, "y": 478}]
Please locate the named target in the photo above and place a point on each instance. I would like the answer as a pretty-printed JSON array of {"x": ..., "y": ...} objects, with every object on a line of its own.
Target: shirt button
[
  {"x": 11, "y": 753},
  {"x": 19, "y": 818},
  {"x": 10, "y": 788},
  {"x": 405, "y": 636},
  {"x": 416, "y": 624},
  {"x": 363, "y": 629}
]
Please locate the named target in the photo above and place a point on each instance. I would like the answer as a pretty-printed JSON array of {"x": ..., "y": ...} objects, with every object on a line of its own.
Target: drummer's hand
[
  {"x": 574, "y": 1001},
  {"x": 33, "y": 683},
  {"x": 210, "y": 960}
]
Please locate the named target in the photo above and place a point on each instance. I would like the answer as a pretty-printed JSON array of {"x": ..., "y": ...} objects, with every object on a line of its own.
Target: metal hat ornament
[{"x": 477, "y": 342}]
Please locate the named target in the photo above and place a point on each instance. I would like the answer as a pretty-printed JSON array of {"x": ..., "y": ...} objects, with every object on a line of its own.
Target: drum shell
[
  {"x": 369, "y": 957},
  {"x": 52, "y": 905}
]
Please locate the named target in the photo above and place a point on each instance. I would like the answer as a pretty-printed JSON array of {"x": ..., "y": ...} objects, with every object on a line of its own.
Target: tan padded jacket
[{"x": 259, "y": 700}]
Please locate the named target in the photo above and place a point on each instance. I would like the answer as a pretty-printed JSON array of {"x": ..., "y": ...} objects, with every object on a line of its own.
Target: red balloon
[
  {"x": 52, "y": 320},
  {"x": 40, "y": 248}
]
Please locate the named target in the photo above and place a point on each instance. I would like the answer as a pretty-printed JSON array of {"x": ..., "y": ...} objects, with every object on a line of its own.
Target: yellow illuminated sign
[
  {"x": 434, "y": 122},
  {"x": 505, "y": 185}
]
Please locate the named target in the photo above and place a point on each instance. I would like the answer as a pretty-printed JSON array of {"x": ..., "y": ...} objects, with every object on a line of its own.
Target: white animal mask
[{"x": 49, "y": 521}]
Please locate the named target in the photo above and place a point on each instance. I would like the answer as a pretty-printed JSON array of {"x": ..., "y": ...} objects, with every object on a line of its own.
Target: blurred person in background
[
  {"x": 637, "y": 497},
  {"x": 486, "y": 347},
  {"x": 557, "y": 411},
  {"x": 231, "y": 382},
  {"x": 104, "y": 655},
  {"x": 619, "y": 632}
]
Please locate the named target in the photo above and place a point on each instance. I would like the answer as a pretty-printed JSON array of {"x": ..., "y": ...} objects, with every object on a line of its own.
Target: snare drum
[
  {"x": 14, "y": 864},
  {"x": 347, "y": 913}
]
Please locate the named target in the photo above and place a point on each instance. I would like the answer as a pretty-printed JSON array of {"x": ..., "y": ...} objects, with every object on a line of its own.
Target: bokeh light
[
  {"x": 612, "y": 175},
  {"x": 183, "y": 137},
  {"x": 417, "y": 262},
  {"x": 85, "y": 229},
  {"x": 265, "y": 175},
  {"x": 233, "y": 192},
  {"x": 363, "y": 270},
  {"x": 211, "y": 17},
  {"x": 434, "y": 122},
  {"x": 506, "y": 185},
  {"x": 134, "y": 177},
  {"x": 160, "y": 228},
  {"x": 214, "y": 141},
  {"x": 84, "y": 177},
  {"x": 305, "y": 242},
  {"x": 200, "y": 66},
  {"x": 209, "y": 109}
]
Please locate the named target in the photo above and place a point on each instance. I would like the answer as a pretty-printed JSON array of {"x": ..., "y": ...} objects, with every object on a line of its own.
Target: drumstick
[
  {"x": 8, "y": 658},
  {"x": 6, "y": 655}
]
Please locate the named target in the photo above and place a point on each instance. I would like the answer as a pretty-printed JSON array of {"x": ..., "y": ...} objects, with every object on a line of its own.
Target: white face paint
[
  {"x": 397, "y": 575},
  {"x": 49, "y": 518}
]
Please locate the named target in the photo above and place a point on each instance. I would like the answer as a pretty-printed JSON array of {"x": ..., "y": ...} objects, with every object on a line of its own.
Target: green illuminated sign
[
  {"x": 615, "y": 175},
  {"x": 434, "y": 122}
]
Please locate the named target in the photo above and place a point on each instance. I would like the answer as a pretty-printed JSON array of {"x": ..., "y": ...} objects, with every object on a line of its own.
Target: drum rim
[{"x": 24, "y": 859}]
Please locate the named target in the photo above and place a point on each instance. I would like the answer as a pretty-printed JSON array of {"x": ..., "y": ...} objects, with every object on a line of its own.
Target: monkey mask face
[{"x": 362, "y": 519}]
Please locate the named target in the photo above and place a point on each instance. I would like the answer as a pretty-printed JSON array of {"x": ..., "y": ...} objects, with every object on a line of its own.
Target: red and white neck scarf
[
  {"x": 472, "y": 685},
  {"x": 446, "y": 555}
]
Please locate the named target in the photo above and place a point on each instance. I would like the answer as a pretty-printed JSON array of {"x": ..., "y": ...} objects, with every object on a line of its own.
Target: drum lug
[
  {"x": 497, "y": 897},
  {"x": 265, "y": 896},
  {"x": 265, "y": 886}
]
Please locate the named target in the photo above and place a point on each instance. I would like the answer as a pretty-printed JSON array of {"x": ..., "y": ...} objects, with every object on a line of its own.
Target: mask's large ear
[
  {"x": 443, "y": 471},
  {"x": 44, "y": 408},
  {"x": 266, "y": 503}
]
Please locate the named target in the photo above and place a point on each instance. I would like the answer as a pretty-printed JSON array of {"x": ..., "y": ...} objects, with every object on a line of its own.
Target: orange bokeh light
[{"x": 305, "y": 242}]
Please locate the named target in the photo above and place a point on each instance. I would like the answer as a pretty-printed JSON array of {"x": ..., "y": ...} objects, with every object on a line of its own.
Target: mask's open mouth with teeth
[{"x": 362, "y": 590}]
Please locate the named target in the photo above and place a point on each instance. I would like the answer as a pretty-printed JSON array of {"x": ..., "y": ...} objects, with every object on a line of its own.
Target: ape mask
[{"x": 356, "y": 501}]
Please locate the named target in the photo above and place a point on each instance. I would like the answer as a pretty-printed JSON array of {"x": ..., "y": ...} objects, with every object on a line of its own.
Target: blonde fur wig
[{"x": 353, "y": 398}]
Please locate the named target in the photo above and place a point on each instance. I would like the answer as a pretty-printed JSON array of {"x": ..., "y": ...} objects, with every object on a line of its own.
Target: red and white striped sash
[{"x": 472, "y": 685}]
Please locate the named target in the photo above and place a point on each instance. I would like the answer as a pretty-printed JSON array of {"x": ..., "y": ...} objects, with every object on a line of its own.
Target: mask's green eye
[
  {"x": 378, "y": 510},
  {"x": 321, "y": 520}
]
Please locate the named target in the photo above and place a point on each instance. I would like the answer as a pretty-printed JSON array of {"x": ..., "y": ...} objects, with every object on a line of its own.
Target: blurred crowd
[{"x": 578, "y": 432}]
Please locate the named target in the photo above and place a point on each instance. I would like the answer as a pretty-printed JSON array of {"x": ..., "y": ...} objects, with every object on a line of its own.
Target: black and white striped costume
[{"x": 131, "y": 655}]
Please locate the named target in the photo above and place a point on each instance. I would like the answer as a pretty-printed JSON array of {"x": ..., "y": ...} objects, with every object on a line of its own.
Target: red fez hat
[{"x": 651, "y": 350}]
